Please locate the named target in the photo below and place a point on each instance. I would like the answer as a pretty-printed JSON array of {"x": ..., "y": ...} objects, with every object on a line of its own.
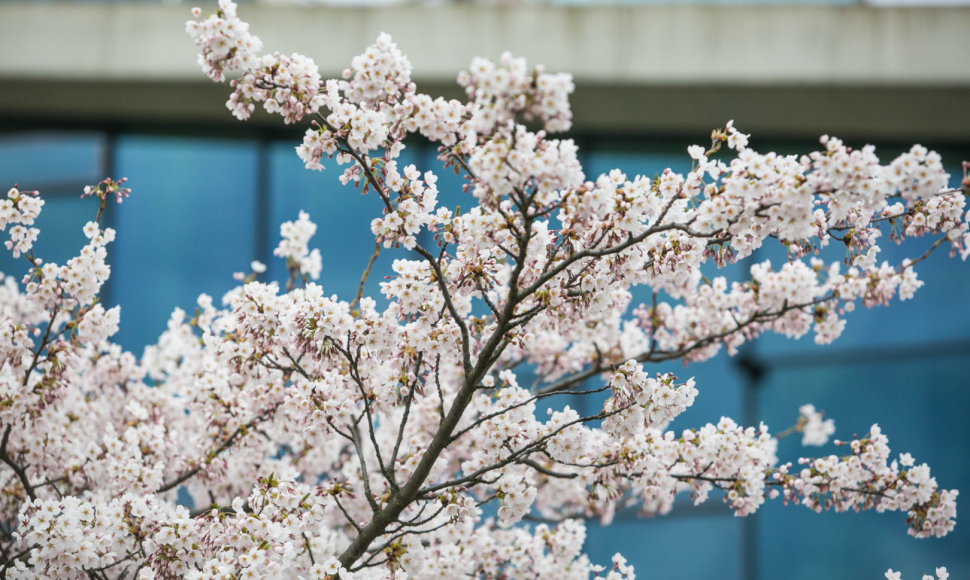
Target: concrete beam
[{"x": 667, "y": 68}]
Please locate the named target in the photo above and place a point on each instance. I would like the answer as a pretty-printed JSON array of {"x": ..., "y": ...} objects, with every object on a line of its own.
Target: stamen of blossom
[{"x": 106, "y": 188}]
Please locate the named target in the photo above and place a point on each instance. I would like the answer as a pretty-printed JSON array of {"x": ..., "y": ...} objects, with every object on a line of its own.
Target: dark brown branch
[
  {"x": 404, "y": 420},
  {"x": 466, "y": 359},
  {"x": 473, "y": 374},
  {"x": 18, "y": 469},
  {"x": 548, "y": 472},
  {"x": 365, "y": 478},
  {"x": 350, "y": 520},
  {"x": 43, "y": 344}
]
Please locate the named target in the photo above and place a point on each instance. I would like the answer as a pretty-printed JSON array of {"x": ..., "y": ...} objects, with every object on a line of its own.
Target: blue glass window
[
  {"x": 920, "y": 403},
  {"x": 188, "y": 226},
  {"x": 59, "y": 165},
  {"x": 668, "y": 548},
  {"x": 38, "y": 159}
]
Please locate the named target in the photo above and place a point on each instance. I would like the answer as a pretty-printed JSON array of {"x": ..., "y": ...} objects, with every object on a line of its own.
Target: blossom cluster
[
  {"x": 224, "y": 40},
  {"x": 284, "y": 432},
  {"x": 815, "y": 430},
  {"x": 501, "y": 91},
  {"x": 642, "y": 402},
  {"x": 20, "y": 209},
  {"x": 835, "y": 482},
  {"x": 286, "y": 85},
  {"x": 294, "y": 247},
  {"x": 415, "y": 200}
]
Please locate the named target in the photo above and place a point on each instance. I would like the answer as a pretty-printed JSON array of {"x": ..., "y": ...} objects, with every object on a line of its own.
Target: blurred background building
[{"x": 98, "y": 88}]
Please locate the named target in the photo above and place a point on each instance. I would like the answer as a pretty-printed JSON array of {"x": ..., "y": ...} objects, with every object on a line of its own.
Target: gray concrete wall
[{"x": 788, "y": 70}]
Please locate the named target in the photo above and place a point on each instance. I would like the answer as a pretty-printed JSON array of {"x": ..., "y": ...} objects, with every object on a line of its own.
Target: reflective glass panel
[{"x": 187, "y": 227}]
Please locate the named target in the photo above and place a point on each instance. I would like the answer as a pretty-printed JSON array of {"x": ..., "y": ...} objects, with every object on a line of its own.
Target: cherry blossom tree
[{"x": 320, "y": 437}]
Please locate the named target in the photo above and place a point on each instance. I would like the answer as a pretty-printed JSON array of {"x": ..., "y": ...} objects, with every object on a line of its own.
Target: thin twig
[{"x": 364, "y": 276}]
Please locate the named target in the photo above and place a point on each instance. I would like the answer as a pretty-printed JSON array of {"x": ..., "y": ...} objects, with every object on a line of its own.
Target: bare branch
[
  {"x": 365, "y": 275},
  {"x": 18, "y": 469}
]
